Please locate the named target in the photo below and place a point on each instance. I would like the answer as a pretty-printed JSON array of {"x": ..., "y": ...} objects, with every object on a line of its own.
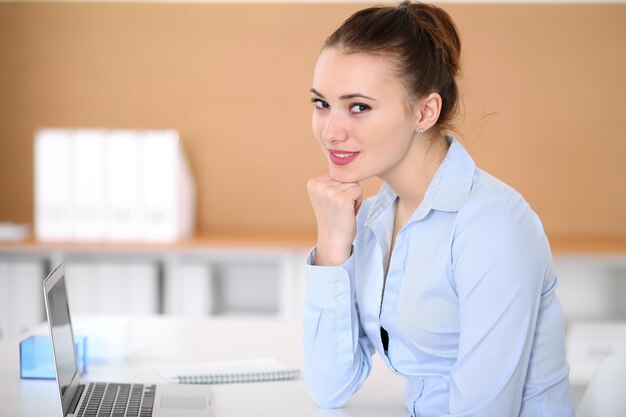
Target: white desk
[{"x": 170, "y": 340}]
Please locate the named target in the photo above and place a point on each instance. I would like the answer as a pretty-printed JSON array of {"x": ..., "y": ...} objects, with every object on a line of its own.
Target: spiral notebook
[{"x": 231, "y": 372}]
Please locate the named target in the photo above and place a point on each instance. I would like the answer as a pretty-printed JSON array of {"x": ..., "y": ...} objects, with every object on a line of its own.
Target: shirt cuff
[{"x": 329, "y": 286}]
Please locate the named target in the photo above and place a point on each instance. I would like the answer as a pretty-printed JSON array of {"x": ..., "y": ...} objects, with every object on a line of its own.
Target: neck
[{"x": 410, "y": 179}]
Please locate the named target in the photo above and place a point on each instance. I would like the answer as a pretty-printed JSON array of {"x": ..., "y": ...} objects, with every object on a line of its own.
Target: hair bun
[{"x": 437, "y": 24}]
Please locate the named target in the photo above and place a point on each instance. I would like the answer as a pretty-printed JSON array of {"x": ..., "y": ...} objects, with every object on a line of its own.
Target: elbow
[
  {"x": 326, "y": 398},
  {"x": 330, "y": 381},
  {"x": 328, "y": 391}
]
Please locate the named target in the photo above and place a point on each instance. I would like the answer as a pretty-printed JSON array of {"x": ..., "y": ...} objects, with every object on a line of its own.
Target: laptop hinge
[{"x": 76, "y": 399}]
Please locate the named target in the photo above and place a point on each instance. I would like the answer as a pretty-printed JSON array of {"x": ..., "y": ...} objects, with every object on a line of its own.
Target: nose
[{"x": 335, "y": 129}]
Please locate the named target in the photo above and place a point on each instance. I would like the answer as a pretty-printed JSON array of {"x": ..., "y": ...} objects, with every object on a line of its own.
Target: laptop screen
[{"x": 62, "y": 337}]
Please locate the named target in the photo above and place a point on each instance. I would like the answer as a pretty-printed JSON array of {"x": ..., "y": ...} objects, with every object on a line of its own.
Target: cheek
[
  {"x": 317, "y": 126},
  {"x": 392, "y": 139}
]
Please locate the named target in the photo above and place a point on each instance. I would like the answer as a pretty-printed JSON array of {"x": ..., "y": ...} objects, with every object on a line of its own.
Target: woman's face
[{"x": 360, "y": 116}]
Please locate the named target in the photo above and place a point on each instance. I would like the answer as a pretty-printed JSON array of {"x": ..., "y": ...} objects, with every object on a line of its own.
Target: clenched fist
[{"x": 335, "y": 205}]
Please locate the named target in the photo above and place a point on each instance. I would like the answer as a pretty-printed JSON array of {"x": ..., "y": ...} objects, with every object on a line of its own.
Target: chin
[{"x": 346, "y": 176}]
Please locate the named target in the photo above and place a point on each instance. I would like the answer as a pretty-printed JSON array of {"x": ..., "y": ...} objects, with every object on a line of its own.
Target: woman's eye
[
  {"x": 359, "y": 108},
  {"x": 319, "y": 104}
]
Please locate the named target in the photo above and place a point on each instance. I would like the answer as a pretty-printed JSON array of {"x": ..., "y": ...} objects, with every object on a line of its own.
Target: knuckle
[
  {"x": 314, "y": 185},
  {"x": 329, "y": 193}
]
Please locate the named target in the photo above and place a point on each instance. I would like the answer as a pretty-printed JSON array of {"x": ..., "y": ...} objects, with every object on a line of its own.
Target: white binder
[
  {"x": 119, "y": 185},
  {"x": 167, "y": 188},
  {"x": 88, "y": 175},
  {"x": 53, "y": 185},
  {"x": 122, "y": 162}
]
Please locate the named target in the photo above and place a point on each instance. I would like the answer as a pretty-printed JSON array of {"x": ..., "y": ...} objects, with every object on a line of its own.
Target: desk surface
[{"x": 161, "y": 340}]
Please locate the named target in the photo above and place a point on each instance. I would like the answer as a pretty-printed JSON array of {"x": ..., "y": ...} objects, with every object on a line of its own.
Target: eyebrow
[{"x": 345, "y": 96}]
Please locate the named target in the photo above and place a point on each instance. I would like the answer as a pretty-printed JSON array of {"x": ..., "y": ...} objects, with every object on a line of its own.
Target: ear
[{"x": 429, "y": 108}]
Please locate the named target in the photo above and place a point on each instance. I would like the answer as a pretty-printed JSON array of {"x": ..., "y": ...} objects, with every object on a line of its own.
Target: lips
[{"x": 339, "y": 157}]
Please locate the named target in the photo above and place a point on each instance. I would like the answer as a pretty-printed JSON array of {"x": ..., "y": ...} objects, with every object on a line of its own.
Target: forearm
[
  {"x": 337, "y": 361},
  {"x": 337, "y": 354}
]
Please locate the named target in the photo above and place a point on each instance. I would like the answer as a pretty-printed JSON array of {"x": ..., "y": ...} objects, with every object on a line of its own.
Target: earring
[{"x": 420, "y": 131}]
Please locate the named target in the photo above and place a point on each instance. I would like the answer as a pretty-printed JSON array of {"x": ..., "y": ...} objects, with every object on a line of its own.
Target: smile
[{"x": 338, "y": 157}]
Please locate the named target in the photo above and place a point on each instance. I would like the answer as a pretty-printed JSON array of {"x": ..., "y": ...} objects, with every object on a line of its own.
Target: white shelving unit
[
  {"x": 232, "y": 280},
  {"x": 186, "y": 282},
  {"x": 21, "y": 295}
]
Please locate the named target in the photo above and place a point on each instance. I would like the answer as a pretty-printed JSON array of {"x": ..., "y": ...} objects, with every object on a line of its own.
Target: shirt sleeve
[
  {"x": 501, "y": 262},
  {"x": 337, "y": 353}
]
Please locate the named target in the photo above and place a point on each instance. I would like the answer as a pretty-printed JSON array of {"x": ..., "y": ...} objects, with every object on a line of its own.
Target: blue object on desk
[{"x": 36, "y": 360}]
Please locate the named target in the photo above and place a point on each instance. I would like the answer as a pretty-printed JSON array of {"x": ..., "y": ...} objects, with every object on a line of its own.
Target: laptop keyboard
[{"x": 118, "y": 400}]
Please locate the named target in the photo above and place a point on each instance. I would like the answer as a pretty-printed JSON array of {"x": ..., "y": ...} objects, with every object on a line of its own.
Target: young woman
[{"x": 447, "y": 272}]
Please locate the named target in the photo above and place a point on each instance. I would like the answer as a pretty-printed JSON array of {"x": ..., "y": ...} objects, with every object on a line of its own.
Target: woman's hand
[{"x": 335, "y": 205}]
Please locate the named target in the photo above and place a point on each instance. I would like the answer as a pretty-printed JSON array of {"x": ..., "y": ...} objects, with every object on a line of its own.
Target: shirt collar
[{"x": 448, "y": 190}]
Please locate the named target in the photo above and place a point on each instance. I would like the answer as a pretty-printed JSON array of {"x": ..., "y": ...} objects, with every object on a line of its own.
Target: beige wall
[{"x": 544, "y": 100}]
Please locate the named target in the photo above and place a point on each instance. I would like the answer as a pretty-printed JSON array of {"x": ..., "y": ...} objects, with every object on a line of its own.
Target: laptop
[{"x": 95, "y": 399}]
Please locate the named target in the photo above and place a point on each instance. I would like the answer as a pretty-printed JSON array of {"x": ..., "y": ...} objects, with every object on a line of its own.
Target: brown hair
[{"x": 423, "y": 40}]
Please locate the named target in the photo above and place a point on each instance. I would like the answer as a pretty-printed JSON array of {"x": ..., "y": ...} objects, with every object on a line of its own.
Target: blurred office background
[{"x": 544, "y": 95}]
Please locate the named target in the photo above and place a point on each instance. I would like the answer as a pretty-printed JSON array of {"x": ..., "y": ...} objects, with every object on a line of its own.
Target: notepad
[{"x": 231, "y": 372}]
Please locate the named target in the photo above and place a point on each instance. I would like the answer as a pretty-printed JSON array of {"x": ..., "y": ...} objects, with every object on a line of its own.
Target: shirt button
[{"x": 341, "y": 299}]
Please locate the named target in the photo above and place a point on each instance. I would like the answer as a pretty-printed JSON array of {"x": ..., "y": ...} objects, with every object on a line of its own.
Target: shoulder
[
  {"x": 492, "y": 200},
  {"x": 499, "y": 239},
  {"x": 488, "y": 189},
  {"x": 497, "y": 217}
]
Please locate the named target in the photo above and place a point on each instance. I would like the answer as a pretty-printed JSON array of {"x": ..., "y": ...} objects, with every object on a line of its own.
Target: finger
[
  {"x": 347, "y": 187},
  {"x": 357, "y": 206},
  {"x": 354, "y": 191},
  {"x": 325, "y": 181},
  {"x": 339, "y": 190}
]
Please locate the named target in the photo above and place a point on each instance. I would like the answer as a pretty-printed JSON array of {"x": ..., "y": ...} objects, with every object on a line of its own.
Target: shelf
[
  {"x": 576, "y": 245},
  {"x": 588, "y": 245},
  {"x": 213, "y": 240}
]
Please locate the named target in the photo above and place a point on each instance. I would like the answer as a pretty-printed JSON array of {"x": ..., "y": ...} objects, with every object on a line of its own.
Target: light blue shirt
[{"x": 469, "y": 303}]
